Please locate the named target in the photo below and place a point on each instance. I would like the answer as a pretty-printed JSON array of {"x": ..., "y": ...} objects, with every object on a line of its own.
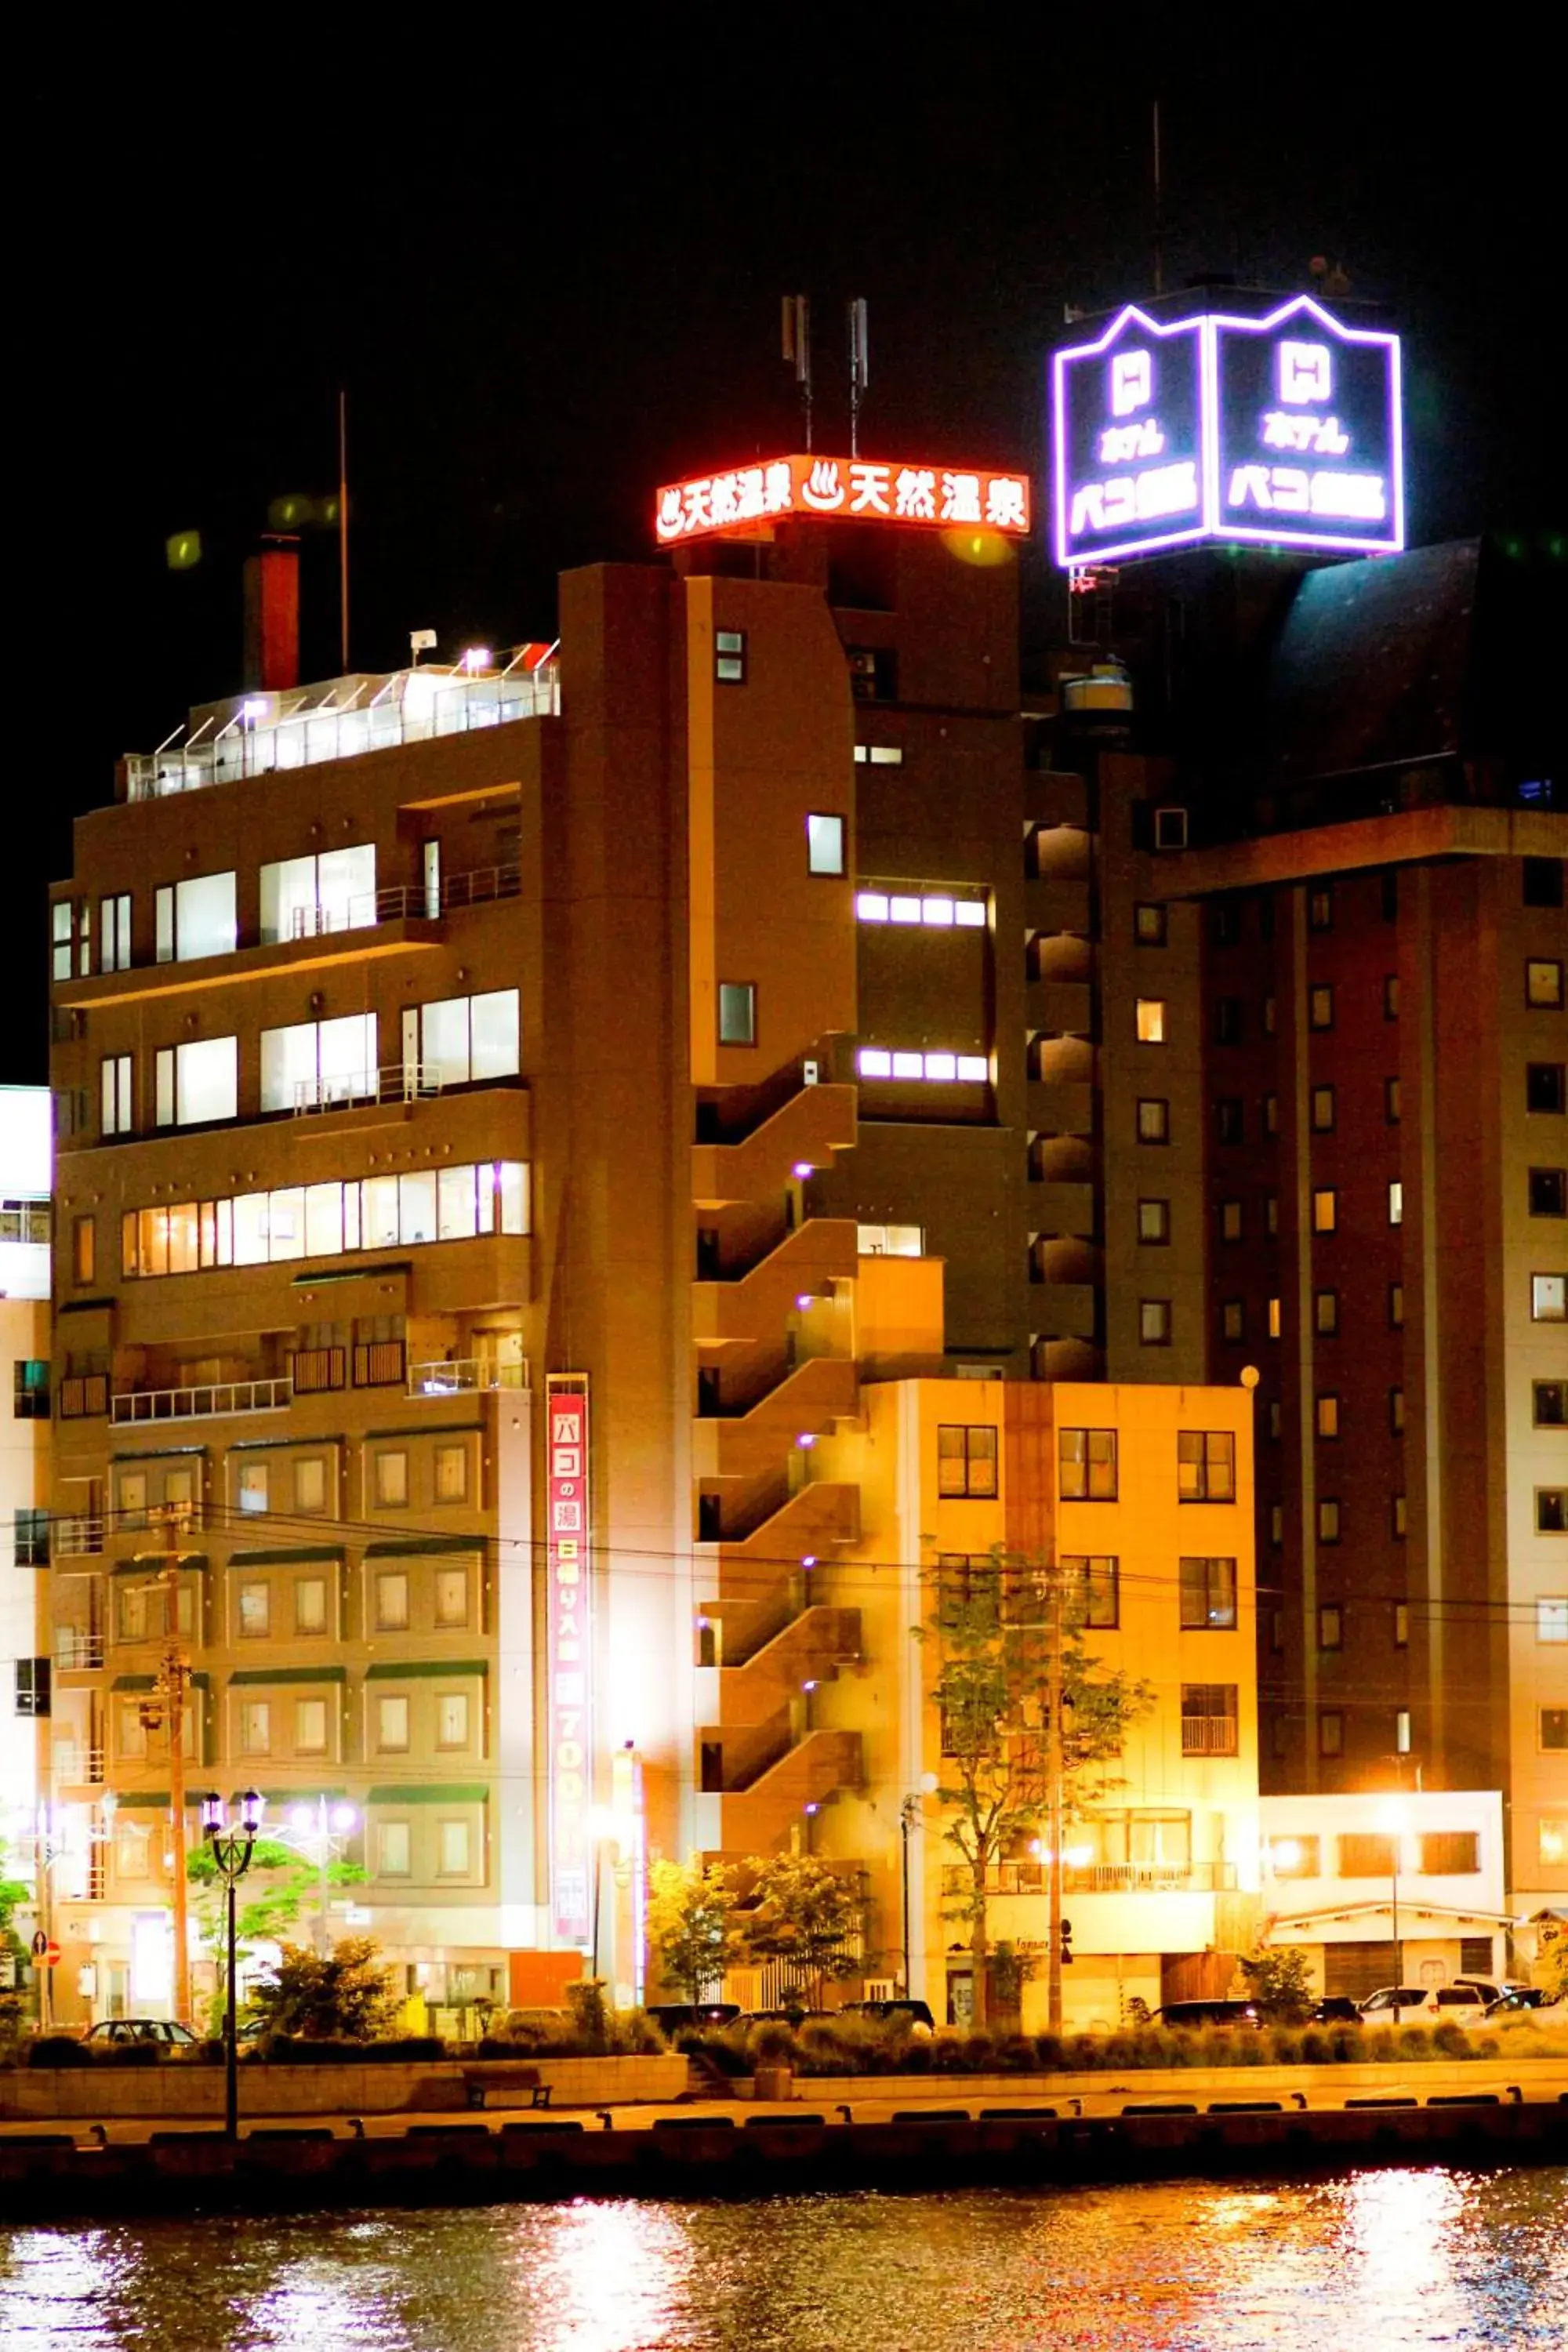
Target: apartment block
[{"x": 26, "y": 1664}]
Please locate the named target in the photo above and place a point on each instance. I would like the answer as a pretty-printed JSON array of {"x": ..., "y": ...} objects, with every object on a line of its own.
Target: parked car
[
  {"x": 1423, "y": 2004},
  {"x": 1529, "y": 2000},
  {"x": 111, "y": 2033},
  {"x": 1207, "y": 2013},
  {"x": 674, "y": 2017},
  {"x": 914, "y": 2013},
  {"x": 1336, "y": 2008},
  {"x": 789, "y": 2015}
]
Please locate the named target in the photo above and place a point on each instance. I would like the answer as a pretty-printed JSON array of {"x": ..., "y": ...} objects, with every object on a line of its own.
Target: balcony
[
  {"x": 223, "y": 1397},
  {"x": 301, "y": 728},
  {"x": 76, "y": 1767},
  {"x": 399, "y": 1082},
  {"x": 76, "y": 1651},
  {"x": 1098, "y": 1878},
  {"x": 465, "y": 1376},
  {"x": 77, "y": 1538}
]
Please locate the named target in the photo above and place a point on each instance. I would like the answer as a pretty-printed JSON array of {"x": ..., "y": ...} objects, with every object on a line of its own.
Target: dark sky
[{"x": 546, "y": 261}]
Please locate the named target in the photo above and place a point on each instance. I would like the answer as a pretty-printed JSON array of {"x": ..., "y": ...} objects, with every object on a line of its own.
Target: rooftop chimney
[{"x": 272, "y": 615}]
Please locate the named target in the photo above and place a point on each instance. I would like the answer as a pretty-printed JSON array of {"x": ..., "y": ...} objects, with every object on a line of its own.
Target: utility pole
[
  {"x": 174, "y": 1676},
  {"x": 1054, "y": 1795}
]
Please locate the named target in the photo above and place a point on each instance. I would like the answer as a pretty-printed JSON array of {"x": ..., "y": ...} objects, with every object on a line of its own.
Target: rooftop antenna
[
  {"x": 797, "y": 348},
  {"x": 859, "y": 369},
  {"x": 1159, "y": 225}
]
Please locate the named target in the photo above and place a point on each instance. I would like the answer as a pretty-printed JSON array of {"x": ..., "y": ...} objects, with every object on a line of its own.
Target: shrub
[
  {"x": 339, "y": 2050},
  {"x": 343, "y": 1995},
  {"x": 58, "y": 2050},
  {"x": 1016, "y": 2056},
  {"x": 1449, "y": 2040}
]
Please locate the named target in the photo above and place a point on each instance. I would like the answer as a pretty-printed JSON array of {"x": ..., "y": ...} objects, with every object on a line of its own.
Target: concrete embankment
[{"x": 941, "y": 2145}]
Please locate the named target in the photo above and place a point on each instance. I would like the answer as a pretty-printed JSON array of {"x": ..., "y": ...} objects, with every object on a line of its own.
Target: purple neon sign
[{"x": 1284, "y": 429}]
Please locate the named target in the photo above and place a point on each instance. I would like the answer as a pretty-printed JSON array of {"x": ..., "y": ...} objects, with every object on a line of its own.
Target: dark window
[
  {"x": 1552, "y": 1510},
  {"x": 1086, "y": 1465},
  {"x": 1391, "y": 895},
  {"x": 1092, "y": 1591},
  {"x": 1450, "y": 1853},
  {"x": 1295, "y": 1857},
  {"x": 1233, "y": 1320},
  {"x": 1321, "y": 907},
  {"x": 730, "y": 656},
  {"x": 1548, "y": 1191},
  {"x": 1227, "y": 1021},
  {"x": 1266, "y": 916},
  {"x": 1327, "y": 1313},
  {"x": 966, "y": 1460},
  {"x": 1397, "y": 1412},
  {"x": 1398, "y": 1518},
  {"x": 1208, "y": 1596},
  {"x": 1396, "y": 1307},
  {"x": 1149, "y": 925},
  {"x": 1154, "y": 1221},
  {"x": 1543, "y": 1085},
  {"x": 377, "y": 1363},
  {"x": 1230, "y": 1221},
  {"x": 1554, "y": 1725},
  {"x": 1208, "y": 1718},
  {"x": 1392, "y": 1101},
  {"x": 1391, "y": 996},
  {"x": 30, "y": 1538},
  {"x": 1322, "y": 1110},
  {"x": 1154, "y": 1119},
  {"x": 34, "y": 1677},
  {"x": 1320, "y": 1007},
  {"x": 1542, "y": 881},
  {"x": 873, "y": 673},
  {"x": 1205, "y": 1465},
  {"x": 30, "y": 1392},
  {"x": 1366, "y": 1853},
  {"x": 1270, "y": 1114},
  {"x": 825, "y": 845},
  {"x": 737, "y": 1013},
  {"x": 1551, "y": 1403},
  {"x": 1224, "y": 923},
  {"x": 1230, "y": 1122}
]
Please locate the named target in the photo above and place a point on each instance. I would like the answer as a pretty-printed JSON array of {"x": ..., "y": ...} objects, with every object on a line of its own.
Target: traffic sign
[
  {"x": 40, "y": 1945},
  {"x": 51, "y": 1953}
]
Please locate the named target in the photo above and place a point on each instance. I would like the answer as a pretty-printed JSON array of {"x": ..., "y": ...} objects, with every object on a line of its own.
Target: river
[{"x": 1361, "y": 2262}]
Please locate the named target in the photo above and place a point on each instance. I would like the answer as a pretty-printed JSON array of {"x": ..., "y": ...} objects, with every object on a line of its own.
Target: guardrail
[
  {"x": 456, "y": 1376},
  {"x": 137, "y": 1405},
  {"x": 77, "y": 1652},
  {"x": 398, "y": 1082}
]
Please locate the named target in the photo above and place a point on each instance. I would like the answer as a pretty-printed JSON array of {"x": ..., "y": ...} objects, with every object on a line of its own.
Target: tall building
[{"x": 25, "y": 1368}]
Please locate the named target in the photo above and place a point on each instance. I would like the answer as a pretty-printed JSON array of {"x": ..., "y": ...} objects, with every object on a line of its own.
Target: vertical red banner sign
[{"x": 569, "y": 1697}]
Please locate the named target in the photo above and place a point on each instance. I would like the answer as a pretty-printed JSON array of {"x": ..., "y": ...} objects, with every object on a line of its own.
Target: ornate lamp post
[{"x": 231, "y": 1846}]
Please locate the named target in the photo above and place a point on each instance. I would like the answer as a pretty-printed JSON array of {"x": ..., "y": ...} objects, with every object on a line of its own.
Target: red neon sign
[
  {"x": 852, "y": 489},
  {"x": 570, "y": 1658}
]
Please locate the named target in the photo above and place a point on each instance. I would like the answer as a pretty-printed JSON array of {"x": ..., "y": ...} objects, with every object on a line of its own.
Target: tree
[
  {"x": 808, "y": 1916},
  {"x": 693, "y": 1927},
  {"x": 1551, "y": 1968},
  {"x": 1028, "y": 1722},
  {"x": 14, "y": 1893},
  {"x": 1280, "y": 1984},
  {"x": 342, "y": 1996},
  {"x": 281, "y": 1883}
]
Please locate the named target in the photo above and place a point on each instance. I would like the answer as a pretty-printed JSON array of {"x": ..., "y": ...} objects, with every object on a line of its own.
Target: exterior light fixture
[
  {"x": 804, "y": 1298},
  {"x": 808, "y": 1687},
  {"x": 809, "y": 1560},
  {"x": 477, "y": 658},
  {"x": 814, "y": 1808},
  {"x": 805, "y": 1441},
  {"x": 803, "y": 1168}
]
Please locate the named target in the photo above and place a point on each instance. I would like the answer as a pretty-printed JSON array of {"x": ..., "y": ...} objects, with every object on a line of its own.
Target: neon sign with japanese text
[
  {"x": 568, "y": 1664},
  {"x": 1284, "y": 429},
  {"x": 850, "y": 490}
]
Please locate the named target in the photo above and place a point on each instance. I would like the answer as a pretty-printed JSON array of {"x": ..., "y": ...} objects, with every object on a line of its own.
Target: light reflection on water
[{"x": 1373, "y": 2261}]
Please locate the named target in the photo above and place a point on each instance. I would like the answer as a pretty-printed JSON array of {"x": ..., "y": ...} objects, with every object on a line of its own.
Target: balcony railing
[
  {"x": 77, "y": 1652},
  {"x": 1098, "y": 1878},
  {"x": 1208, "y": 1735},
  {"x": 76, "y": 1767},
  {"x": 399, "y": 1082},
  {"x": 352, "y": 717},
  {"x": 457, "y": 1376},
  {"x": 398, "y": 900},
  {"x": 77, "y": 1538},
  {"x": 198, "y": 1403}
]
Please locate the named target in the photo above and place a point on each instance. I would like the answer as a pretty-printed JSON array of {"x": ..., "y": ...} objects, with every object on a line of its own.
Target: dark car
[
  {"x": 789, "y": 2015},
  {"x": 1336, "y": 2008},
  {"x": 114, "y": 2032},
  {"x": 1208, "y": 2012},
  {"x": 907, "y": 2012},
  {"x": 1514, "y": 1999},
  {"x": 674, "y": 2017}
]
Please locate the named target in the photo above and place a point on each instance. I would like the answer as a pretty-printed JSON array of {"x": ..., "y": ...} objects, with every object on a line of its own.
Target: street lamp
[
  {"x": 1394, "y": 1818},
  {"x": 230, "y": 1847},
  {"x": 318, "y": 1829}
]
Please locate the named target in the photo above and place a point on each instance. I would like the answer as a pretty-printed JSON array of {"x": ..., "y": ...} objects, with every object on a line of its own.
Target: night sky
[{"x": 545, "y": 264}]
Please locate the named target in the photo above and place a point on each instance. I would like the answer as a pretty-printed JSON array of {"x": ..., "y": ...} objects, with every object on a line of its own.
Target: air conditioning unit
[
  {"x": 1169, "y": 828},
  {"x": 881, "y": 1988},
  {"x": 810, "y": 1072}
]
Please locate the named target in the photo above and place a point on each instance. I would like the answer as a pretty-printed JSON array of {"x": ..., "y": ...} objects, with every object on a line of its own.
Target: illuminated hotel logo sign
[
  {"x": 569, "y": 1659},
  {"x": 1284, "y": 429},
  {"x": 851, "y": 489}
]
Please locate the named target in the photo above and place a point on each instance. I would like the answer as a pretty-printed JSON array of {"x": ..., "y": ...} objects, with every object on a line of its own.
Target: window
[
  {"x": 1276, "y": 1318},
  {"x": 1551, "y": 1619},
  {"x": 115, "y": 1109},
  {"x": 310, "y": 1483},
  {"x": 195, "y": 918},
  {"x": 1093, "y": 1589},
  {"x": 1086, "y": 1460},
  {"x": 310, "y": 1604},
  {"x": 392, "y": 1850},
  {"x": 737, "y": 1013},
  {"x": 1227, "y": 1021},
  {"x": 1276, "y": 1420},
  {"x": 1551, "y": 1840},
  {"x": 1151, "y": 1018},
  {"x": 1396, "y": 1307},
  {"x": 1271, "y": 1015},
  {"x": 30, "y": 1389},
  {"x": 1552, "y": 1510},
  {"x": 1392, "y": 1102},
  {"x": 825, "y": 845},
  {"x": 1398, "y": 1518},
  {"x": 1276, "y": 1631},
  {"x": 391, "y": 1476},
  {"x": 114, "y": 933},
  {"x": 452, "y": 1719},
  {"x": 1232, "y": 1320},
  {"x": 1290, "y": 1856},
  {"x": 1543, "y": 984},
  {"x": 1154, "y": 1221},
  {"x": 197, "y": 1083},
  {"x": 880, "y": 755},
  {"x": 1327, "y": 1313},
  {"x": 391, "y": 1725},
  {"x": 1397, "y": 1412},
  {"x": 966, "y": 1461},
  {"x": 1391, "y": 996},
  {"x": 1330, "y": 1734},
  {"x": 1328, "y": 1519},
  {"x": 1325, "y": 1210},
  {"x": 1276, "y": 1525},
  {"x": 309, "y": 1726},
  {"x": 1270, "y": 1114},
  {"x": 1321, "y": 907},
  {"x": 459, "y": 1041},
  {"x": 1208, "y": 1718},
  {"x": 316, "y": 1062},
  {"x": 1543, "y": 1086},
  {"x": 1449, "y": 1854},
  {"x": 1396, "y": 1203},
  {"x": 1224, "y": 923},
  {"x": 30, "y": 1538},
  {"x": 34, "y": 1687},
  {"x": 891, "y": 1241},
  {"x": 1553, "y": 1731},
  {"x": 391, "y": 1602},
  {"x": 130, "y": 1729},
  {"x": 132, "y": 1851},
  {"x": 251, "y": 1485},
  {"x": 1549, "y": 1297},
  {"x": 451, "y": 1598},
  {"x": 253, "y": 1612},
  {"x": 1209, "y": 1595},
  {"x": 1331, "y": 1626},
  {"x": 1548, "y": 1404},
  {"x": 84, "y": 1250},
  {"x": 1328, "y": 1416},
  {"x": 1542, "y": 881},
  {"x": 1230, "y": 1119},
  {"x": 1320, "y": 1007},
  {"x": 451, "y": 1474},
  {"x": 1149, "y": 925},
  {"x": 1322, "y": 1110},
  {"x": 730, "y": 656},
  {"x": 61, "y": 934},
  {"x": 1205, "y": 1465},
  {"x": 1548, "y": 1191},
  {"x": 256, "y": 1727},
  {"x": 1154, "y": 1119},
  {"x": 1230, "y": 1221},
  {"x": 1154, "y": 1322},
  {"x": 304, "y": 896},
  {"x": 452, "y": 1849},
  {"x": 1402, "y": 1624}
]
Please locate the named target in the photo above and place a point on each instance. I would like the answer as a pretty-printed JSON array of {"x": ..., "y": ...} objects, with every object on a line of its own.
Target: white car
[{"x": 1424, "y": 2005}]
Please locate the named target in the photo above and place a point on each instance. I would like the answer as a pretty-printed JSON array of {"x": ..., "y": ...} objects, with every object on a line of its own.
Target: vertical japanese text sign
[{"x": 570, "y": 1665}]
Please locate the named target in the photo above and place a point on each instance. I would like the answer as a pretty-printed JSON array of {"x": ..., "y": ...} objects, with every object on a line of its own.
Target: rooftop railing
[
  {"x": 460, "y": 1375},
  {"x": 138, "y": 1405},
  {"x": 269, "y": 734}
]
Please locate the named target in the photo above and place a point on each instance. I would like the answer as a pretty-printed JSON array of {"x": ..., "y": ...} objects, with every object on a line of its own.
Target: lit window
[
  {"x": 451, "y": 1598},
  {"x": 974, "y": 1069},
  {"x": 886, "y": 755},
  {"x": 1322, "y": 1110},
  {"x": 451, "y": 1474},
  {"x": 908, "y": 1065},
  {"x": 1328, "y": 1417},
  {"x": 1292, "y": 1856},
  {"x": 1549, "y": 1297},
  {"x": 391, "y": 1602},
  {"x": 1325, "y": 1210},
  {"x": 116, "y": 1112},
  {"x": 730, "y": 656},
  {"x": 393, "y": 1858},
  {"x": 1205, "y": 1465},
  {"x": 1270, "y": 1114},
  {"x": 891, "y": 1241},
  {"x": 873, "y": 1062},
  {"x": 904, "y": 909},
  {"x": 1149, "y": 925},
  {"x": 937, "y": 911},
  {"x": 942, "y": 1065},
  {"x": 1396, "y": 1203},
  {"x": 251, "y": 1486},
  {"x": 871, "y": 905},
  {"x": 1151, "y": 1015},
  {"x": 1277, "y": 1524},
  {"x": 1154, "y": 1221},
  {"x": 1402, "y": 1625},
  {"x": 456, "y": 1040},
  {"x": 310, "y": 1604},
  {"x": 309, "y": 1726},
  {"x": 1320, "y": 1007},
  {"x": 255, "y": 1610},
  {"x": 969, "y": 914},
  {"x": 1331, "y": 1626},
  {"x": 1086, "y": 1465},
  {"x": 1543, "y": 984},
  {"x": 391, "y": 1725},
  {"x": 196, "y": 1083},
  {"x": 1154, "y": 1120},
  {"x": 1275, "y": 1316},
  {"x": 1398, "y": 1518},
  {"x": 391, "y": 1475},
  {"x": 966, "y": 1461},
  {"x": 301, "y": 897},
  {"x": 256, "y": 1727},
  {"x": 1551, "y": 1619},
  {"x": 311, "y": 1484},
  {"x": 1154, "y": 1322},
  {"x": 452, "y": 1847},
  {"x": 1329, "y": 1520},
  {"x": 195, "y": 918},
  {"x": 452, "y": 1719},
  {"x": 1209, "y": 1595},
  {"x": 737, "y": 1013},
  {"x": 825, "y": 845},
  {"x": 1209, "y": 1718}
]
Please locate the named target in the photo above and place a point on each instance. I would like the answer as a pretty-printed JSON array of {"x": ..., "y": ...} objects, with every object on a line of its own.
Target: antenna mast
[
  {"x": 796, "y": 344},
  {"x": 859, "y": 369}
]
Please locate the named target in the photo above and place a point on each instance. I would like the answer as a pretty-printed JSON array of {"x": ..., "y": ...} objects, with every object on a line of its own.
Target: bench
[{"x": 510, "y": 2081}]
